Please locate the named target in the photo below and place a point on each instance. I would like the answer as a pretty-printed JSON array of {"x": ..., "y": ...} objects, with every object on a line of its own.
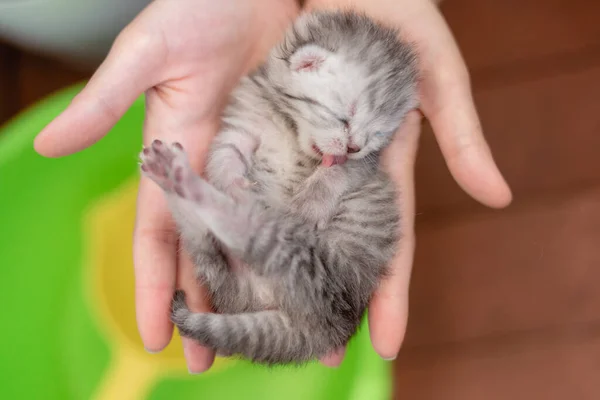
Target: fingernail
[
  {"x": 194, "y": 373},
  {"x": 187, "y": 354},
  {"x": 334, "y": 366},
  {"x": 152, "y": 351},
  {"x": 390, "y": 358}
]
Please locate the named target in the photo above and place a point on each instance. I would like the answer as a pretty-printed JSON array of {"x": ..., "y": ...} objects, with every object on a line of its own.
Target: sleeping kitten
[{"x": 298, "y": 224}]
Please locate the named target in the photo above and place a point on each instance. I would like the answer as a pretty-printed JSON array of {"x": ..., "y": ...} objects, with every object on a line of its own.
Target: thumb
[{"x": 129, "y": 69}]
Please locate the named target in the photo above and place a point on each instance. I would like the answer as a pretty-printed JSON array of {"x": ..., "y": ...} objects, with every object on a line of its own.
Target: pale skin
[{"x": 186, "y": 56}]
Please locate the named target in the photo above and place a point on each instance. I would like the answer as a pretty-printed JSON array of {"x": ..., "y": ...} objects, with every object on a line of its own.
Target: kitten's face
[{"x": 344, "y": 107}]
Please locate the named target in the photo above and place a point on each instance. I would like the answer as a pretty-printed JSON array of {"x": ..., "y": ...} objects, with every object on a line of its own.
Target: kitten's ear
[{"x": 308, "y": 58}]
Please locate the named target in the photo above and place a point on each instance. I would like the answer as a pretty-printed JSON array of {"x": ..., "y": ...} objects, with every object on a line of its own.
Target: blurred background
[{"x": 503, "y": 304}]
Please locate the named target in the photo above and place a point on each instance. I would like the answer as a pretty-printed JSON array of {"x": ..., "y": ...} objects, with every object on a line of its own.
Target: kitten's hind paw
[{"x": 167, "y": 165}]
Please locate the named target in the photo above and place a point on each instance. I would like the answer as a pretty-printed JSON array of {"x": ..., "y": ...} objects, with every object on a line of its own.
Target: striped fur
[{"x": 290, "y": 250}]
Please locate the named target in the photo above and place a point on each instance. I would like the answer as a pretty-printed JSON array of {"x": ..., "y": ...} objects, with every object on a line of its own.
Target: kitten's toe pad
[{"x": 168, "y": 166}]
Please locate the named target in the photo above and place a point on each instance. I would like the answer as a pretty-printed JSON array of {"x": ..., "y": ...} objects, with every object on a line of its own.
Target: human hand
[
  {"x": 186, "y": 55},
  {"x": 446, "y": 101}
]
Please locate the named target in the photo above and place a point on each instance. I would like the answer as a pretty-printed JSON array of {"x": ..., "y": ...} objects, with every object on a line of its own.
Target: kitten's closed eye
[{"x": 381, "y": 134}]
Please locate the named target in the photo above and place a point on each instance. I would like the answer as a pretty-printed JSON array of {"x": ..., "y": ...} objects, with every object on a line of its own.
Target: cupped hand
[
  {"x": 186, "y": 56},
  {"x": 446, "y": 101}
]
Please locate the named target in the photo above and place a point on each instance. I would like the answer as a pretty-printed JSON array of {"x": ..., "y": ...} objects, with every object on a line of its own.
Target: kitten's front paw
[{"x": 168, "y": 166}]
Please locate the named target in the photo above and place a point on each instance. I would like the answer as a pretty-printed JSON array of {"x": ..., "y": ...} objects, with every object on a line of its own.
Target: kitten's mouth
[{"x": 328, "y": 160}]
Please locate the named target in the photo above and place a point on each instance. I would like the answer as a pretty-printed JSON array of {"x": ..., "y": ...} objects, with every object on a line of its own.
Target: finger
[
  {"x": 335, "y": 358},
  {"x": 130, "y": 68},
  {"x": 155, "y": 260},
  {"x": 447, "y": 101},
  {"x": 198, "y": 358},
  {"x": 388, "y": 311},
  {"x": 196, "y": 139},
  {"x": 154, "y": 250},
  {"x": 456, "y": 126},
  {"x": 155, "y": 238}
]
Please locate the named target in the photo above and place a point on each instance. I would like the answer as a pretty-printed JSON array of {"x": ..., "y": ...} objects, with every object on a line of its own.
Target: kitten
[{"x": 298, "y": 224}]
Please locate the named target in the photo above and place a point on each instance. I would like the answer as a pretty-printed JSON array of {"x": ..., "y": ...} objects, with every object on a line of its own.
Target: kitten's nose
[{"x": 352, "y": 148}]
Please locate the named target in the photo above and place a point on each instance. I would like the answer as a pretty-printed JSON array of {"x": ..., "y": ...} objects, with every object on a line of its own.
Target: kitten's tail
[{"x": 265, "y": 336}]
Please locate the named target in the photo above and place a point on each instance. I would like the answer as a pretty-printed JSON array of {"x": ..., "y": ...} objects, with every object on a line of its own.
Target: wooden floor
[{"x": 504, "y": 304}]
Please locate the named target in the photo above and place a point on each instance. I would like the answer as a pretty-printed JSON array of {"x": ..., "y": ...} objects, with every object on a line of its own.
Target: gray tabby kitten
[{"x": 298, "y": 224}]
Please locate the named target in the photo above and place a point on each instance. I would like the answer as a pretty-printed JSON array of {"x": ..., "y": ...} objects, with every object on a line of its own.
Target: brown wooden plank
[
  {"x": 9, "y": 98},
  {"x": 551, "y": 365},
  {"x": 40, "y": 76},
  {"x": 522, "y": 269}
]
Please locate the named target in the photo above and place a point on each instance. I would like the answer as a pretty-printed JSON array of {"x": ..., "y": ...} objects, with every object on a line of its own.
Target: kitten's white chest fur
[{"x": 279, "y": 167}]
